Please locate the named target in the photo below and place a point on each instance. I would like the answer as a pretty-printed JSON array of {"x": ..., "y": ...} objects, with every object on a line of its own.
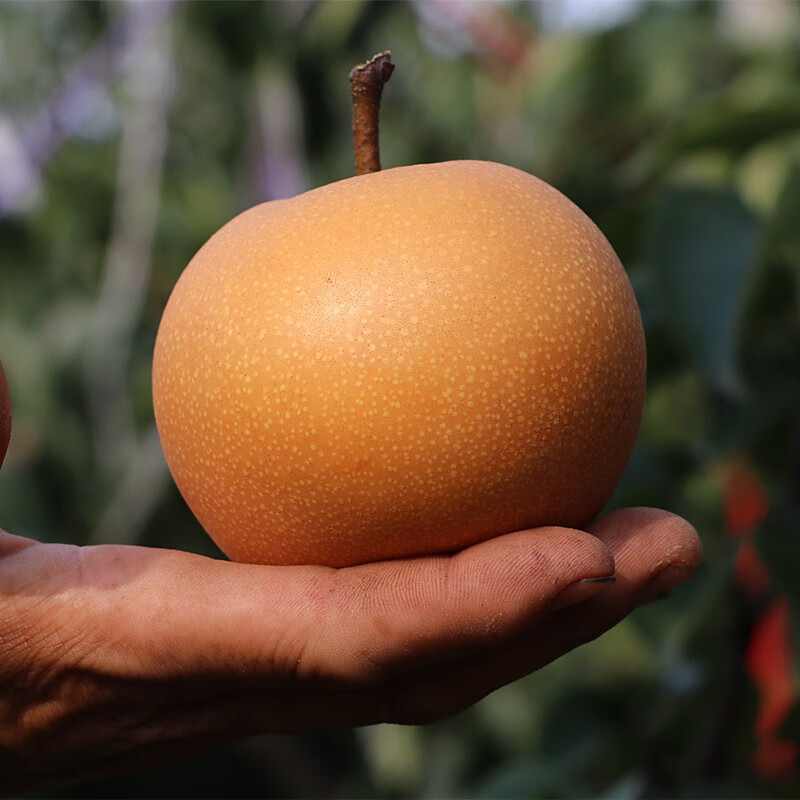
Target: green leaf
[
  {"x": 725, "y": 127},
  {"x": 782, "y": 236},
  {"x": 777, "y": 541},
  {"x": 701, "y": 244}
]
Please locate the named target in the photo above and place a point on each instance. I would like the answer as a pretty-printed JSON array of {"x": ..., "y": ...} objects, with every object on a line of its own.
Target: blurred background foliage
[{"x": 129, "y": 132}]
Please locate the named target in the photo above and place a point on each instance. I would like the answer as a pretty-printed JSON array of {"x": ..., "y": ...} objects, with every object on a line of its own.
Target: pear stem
[{"x": 366, "y": 85}]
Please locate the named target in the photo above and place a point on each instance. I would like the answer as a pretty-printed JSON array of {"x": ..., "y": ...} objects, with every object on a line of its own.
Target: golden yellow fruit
[
  {"x": 5, "y": 415},
  {"x": 400, "y": 363}
]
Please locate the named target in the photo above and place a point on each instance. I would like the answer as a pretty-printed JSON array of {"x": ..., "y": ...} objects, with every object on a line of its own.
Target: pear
[{"x": 400, "y": 363}]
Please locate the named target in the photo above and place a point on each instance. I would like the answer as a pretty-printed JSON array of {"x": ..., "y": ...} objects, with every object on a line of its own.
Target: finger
[
  {"x": 644, "y": 542},
  {"x": 10, "y": 543},
  {"x": 413, "y": 612},
  {"x": 636, "y": 535}
]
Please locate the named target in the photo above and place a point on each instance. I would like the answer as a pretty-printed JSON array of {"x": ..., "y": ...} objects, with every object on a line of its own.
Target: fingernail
[
  {"x": 581, "y": 590},
  {"x": 660, "y": 587}
]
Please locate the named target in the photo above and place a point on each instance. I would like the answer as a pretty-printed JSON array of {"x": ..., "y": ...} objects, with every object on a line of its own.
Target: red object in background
[
  {"x": 769, "y": 661},
  {"x": 745, "y": 506},
  {"x": 745, "y": 500},
  {"x": 750, "y": 571},
  {"x": 769, "y": 658}
]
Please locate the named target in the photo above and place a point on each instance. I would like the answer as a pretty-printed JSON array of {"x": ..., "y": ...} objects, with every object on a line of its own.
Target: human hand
[{"x": 119, "y": 657}]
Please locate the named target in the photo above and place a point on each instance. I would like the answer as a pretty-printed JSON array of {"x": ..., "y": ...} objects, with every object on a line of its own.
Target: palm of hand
[{"x": 125, "y": 655}]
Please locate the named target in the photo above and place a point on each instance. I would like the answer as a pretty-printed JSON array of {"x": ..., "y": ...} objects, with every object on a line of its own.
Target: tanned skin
[{"x": 116, "y": 658}]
